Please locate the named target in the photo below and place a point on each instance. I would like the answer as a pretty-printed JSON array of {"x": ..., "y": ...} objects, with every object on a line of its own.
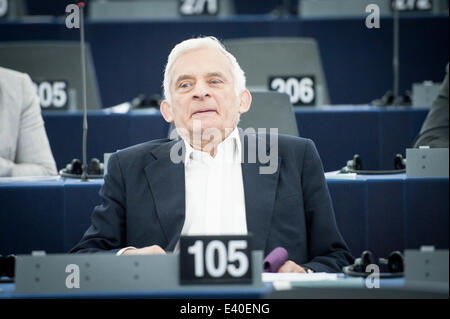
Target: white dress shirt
[{"x": 215, "y": 201}]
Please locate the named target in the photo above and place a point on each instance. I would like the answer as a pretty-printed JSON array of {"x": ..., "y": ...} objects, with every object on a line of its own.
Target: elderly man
[{"x": 150, "y": 198}]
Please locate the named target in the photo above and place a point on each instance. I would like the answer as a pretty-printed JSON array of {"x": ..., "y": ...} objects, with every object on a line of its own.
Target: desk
[
  {"x": 376, "y": 133},
  {"x": 50, "y": 214},
  {"x": 249, "y": 293},
  {"x": 392, "y": 291},
  {"x": 343, "y": 288},
  {"x": 383, "y": 213},
  {"x": 380, "y": 213}
]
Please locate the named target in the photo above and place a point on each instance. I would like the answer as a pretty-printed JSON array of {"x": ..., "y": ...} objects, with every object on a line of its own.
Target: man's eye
[
  {"x": 215, "y": 81},
  {"x": 184, "y": 85}
]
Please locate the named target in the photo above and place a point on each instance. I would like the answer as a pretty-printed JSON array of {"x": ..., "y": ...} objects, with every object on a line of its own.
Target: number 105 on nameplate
[{"x": 215, "y": 260}]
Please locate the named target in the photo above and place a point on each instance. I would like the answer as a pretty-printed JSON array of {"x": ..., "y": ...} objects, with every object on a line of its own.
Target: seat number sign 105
[{"x": 215, "y": 260}]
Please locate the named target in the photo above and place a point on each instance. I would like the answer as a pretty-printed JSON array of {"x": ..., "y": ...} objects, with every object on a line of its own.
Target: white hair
[{"x": 197, "y": 43}]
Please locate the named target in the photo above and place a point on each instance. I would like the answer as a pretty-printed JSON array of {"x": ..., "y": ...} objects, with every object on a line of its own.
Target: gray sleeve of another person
[{"x": 434, "y": 132}]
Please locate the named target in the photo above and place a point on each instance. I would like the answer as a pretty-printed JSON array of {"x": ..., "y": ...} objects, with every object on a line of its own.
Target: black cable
[{"x": 366, "y": 172}]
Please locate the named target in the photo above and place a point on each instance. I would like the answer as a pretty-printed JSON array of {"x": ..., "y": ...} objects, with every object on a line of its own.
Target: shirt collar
[{"x": 228, "y": 150}]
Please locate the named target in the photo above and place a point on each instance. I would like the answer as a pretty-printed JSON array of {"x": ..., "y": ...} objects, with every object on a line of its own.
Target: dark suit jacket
[{"x": 144, "y": 203}]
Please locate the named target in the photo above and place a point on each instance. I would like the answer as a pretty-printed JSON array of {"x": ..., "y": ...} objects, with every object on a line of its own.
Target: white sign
[
  {"x": 412, "y": 5},
  {"x": 301, "y": 89},
  {"x": 52, "y": 94},
  {"x": 199, "y": 7}
]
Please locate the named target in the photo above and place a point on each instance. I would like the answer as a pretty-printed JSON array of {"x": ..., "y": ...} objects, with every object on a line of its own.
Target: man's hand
[
  {"x": 150, "y": 250},
  {"x": 290, "y": 266}
]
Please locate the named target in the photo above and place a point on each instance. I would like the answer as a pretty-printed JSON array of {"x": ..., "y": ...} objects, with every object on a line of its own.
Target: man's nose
[{"x": 201, "y": 91}]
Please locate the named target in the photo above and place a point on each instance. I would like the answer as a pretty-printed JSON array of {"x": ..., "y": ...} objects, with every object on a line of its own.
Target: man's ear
[
  {"x": 166, "y": 111},
  {"x": 245, "y": 100}
]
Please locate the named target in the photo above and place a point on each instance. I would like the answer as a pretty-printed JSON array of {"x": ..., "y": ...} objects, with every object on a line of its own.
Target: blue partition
[
  {"x": 129, "y": 57},
  {"x": 381, "y": 213},
  {"x": 31, "y": 217},
  {"x": 376, "y": 133}
]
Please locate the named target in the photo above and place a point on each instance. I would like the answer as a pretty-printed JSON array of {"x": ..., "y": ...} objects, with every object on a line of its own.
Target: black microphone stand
[
  {"x": 73, "y": 170},
  {"x": 392, "y": 98},
  {"x": 84, "y": 174}
]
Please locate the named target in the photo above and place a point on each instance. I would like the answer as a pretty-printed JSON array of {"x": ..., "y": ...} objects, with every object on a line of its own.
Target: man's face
[{"x": 202, "y": 88}]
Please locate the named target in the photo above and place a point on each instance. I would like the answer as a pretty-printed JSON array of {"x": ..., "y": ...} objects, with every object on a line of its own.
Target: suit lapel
[
  {"x": 260, "y": 191},
  {"x": 166, "y": 181}
]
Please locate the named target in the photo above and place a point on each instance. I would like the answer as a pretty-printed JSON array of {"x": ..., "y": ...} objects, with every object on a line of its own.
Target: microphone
[
  {"x": 276, "y": 259},
  {"x": 392, "y": 97},
  {"x": 77, "y": 169}
]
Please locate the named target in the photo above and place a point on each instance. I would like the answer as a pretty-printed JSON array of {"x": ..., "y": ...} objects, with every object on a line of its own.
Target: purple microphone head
[{"x": 275, "y": 259}]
